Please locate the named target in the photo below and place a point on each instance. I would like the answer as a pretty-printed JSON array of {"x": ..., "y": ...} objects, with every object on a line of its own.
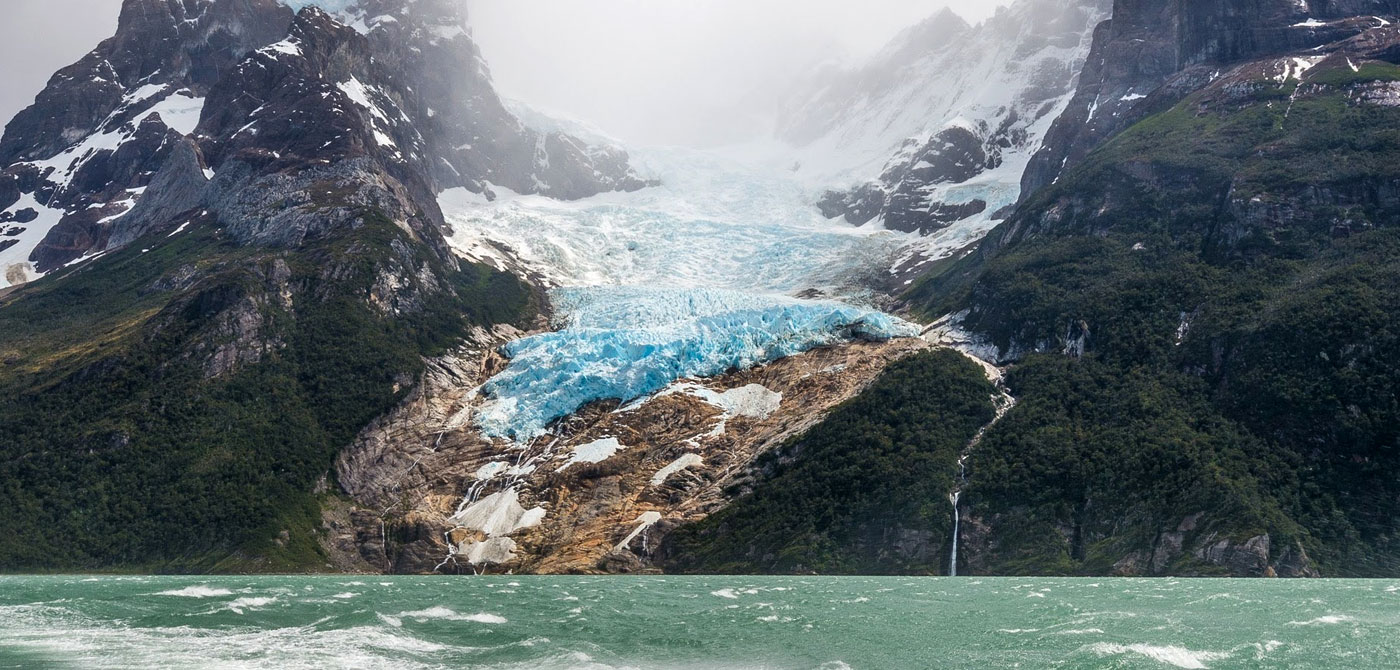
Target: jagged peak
[
  {"x": 366, "y": 16},
  {"x": 314, "y": 25},
  {"x": 934, "y": 31}
]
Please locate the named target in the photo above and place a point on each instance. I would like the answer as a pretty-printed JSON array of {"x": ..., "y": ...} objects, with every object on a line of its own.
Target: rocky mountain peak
[
  {"x": 272, "y": 86},
  {"x": 1149, "y": 42},
  {"x": 946, "y": 116}
]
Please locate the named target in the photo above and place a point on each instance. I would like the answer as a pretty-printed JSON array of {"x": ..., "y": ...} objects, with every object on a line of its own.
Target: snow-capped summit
[
  {"x": 288, "y": 85},
  {"x": 935, "y": 131}
]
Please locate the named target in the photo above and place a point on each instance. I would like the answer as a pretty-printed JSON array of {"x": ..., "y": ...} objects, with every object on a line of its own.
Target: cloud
[
  {"x": 681, "y": 71},
  {"x": 38, "y": 37},
  {"x": 648, "y": 71}
]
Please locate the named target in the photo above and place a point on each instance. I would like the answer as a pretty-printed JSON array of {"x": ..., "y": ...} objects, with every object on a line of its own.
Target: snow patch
[
  {"x": 285, "y": 47},
  {"x": 359, "y": 94},
  {"x": 644, "y": 522},
  {"x": 492, "y": 551},
  {"x": 498, "y": 514},
  {"x": 682, "y": 463},
  {"x": 179, "y": 112},
  {"x": 1296, "y": 67},
  {"x": 15, "y": 267},
  {"x": 593, "y": 452},
  {"x": 754, "y": 401}
]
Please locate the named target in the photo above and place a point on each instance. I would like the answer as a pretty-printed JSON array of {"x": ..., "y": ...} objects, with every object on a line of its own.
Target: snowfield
[{"x": 716, "y": 221}]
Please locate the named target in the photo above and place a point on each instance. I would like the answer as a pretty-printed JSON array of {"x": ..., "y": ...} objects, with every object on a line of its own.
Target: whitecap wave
[
  {"x": 1180, "y": 657},
  {"x": 242, "y": 605},
  {"x": 197, "y": 592},
  {"x": 441, "y": 613},
  {"x": 1326, "y": 620}
]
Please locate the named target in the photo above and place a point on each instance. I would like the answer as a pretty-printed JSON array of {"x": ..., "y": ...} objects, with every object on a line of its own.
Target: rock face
[
  {"x": 609, "y": 482},
  {"x": 947, "y": 115},
  {"x": 189, "y": 89},
  {"x": 96, "y": 136},
  {"x": 1153, "y": 53}
]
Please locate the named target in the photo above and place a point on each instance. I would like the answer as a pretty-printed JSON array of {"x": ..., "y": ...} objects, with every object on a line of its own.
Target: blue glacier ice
[
  {"x": 625, "y": 343},
  {"x": 687, "y": 279}
]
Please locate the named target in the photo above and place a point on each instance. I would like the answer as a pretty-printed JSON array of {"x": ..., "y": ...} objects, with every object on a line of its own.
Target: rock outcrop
[
  {"x": 1153, "y": 53},
  {"x": 609, "y": 481}
]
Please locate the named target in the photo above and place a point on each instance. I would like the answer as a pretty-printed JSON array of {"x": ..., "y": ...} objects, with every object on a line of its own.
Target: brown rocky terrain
[{"x": 420, "y": 502}]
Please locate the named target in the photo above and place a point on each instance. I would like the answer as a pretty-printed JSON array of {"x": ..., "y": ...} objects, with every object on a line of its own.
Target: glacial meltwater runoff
[{"x": 694, "y": 623}]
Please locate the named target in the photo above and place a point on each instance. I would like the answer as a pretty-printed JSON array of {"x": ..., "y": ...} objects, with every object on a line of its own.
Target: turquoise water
[{"x": 714, "y": 623}]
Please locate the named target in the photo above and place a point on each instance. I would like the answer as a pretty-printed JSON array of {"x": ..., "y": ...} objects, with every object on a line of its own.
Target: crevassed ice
[
  {"x": 628, "y": 342},
  {"x": 692, "y": 278},
  {"x": 715, "y": 221}
]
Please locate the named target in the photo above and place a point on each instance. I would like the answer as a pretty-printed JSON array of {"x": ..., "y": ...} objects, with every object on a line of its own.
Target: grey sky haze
[
  {"x": 37, "y": 37},
  {"x": 653, "y": 71},
  {"x": 695, "y": 72}
]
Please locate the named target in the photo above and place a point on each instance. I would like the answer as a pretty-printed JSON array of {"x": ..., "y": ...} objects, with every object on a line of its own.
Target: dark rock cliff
[
  {"x": 1152, "y": 53},
  {"x": 1194, "y": 304},
  {"x": 245, "y": 83}
]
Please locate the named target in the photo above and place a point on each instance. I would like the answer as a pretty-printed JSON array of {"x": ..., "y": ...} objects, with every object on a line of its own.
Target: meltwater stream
[{"x": 688, "y": 279}]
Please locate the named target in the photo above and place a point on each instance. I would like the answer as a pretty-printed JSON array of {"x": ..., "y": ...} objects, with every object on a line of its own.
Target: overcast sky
[
  {"x": 39, "y": 36},
  {"x": 681, "y": 71},
  {"x": 648, "y": 71}
]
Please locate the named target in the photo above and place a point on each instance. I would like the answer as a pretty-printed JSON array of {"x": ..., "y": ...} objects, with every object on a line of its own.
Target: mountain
[
  {"x": 932, "y": 135},
  {"x": 233, "y": 208},
  {"x": 1188, "y": 307},
  {"x": 242, "y": 335},
  {"x": 225, "y": 85},
  {"x": 1195, "y": 293},
  {"x": 1167, "y": 50}
]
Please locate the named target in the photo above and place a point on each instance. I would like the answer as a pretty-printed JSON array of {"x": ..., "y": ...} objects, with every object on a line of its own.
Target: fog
[
  {"x": 37, "y": 37},
  {"x": 695, "y": 72},
  {"x": 689, "y": 72}
]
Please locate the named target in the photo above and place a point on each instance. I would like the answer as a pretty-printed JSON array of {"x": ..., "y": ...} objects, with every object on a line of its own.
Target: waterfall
[
  {"x": 957, "y": 521},
  {"x": 955, "y": 497},
  {"x": 1003, "y": 401}
]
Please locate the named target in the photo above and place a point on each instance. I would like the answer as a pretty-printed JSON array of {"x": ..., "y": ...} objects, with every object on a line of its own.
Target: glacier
[
  {"x": 689, "y": 279},
  {"x": 718, "y": 220},
  {"x": 625, "y": 343}
]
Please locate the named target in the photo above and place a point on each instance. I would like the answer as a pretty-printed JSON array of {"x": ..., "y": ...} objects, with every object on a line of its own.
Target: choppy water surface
[{"x": 716, "y": 623}]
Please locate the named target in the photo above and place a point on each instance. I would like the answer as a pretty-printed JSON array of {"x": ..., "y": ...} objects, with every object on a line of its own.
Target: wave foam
[
  {"x": 1180, "y": 657},
  {"x": 1324, "y": 620},
  {"x": 240, "y": 605},
  {"x": 441, "y": 613},
  {"x": 197, "y": 592}
]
